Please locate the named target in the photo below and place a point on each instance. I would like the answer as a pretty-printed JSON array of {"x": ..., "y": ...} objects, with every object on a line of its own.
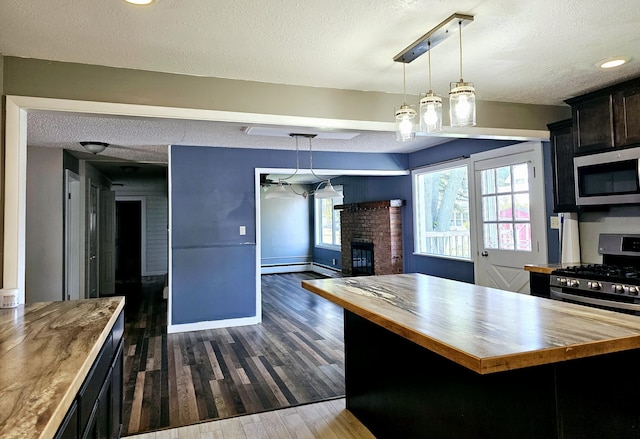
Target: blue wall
[
  {"x": 212, "y": 195},
  {"x": 286, "y": 229}
]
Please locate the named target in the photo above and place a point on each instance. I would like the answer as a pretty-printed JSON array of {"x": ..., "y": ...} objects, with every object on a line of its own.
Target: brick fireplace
[{"x": 378, "y": 223}]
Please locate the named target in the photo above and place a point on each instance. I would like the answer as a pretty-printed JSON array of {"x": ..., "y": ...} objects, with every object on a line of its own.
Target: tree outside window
[{"x": 441, "y": 212}]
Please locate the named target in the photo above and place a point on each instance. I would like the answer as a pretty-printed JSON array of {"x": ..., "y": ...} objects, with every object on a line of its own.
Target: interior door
[
  {"x": 92, "y": 255},
  {"x": 72, "y": 236},
  {"x": 107, "y": 242},
  {"x": 510, "y": 215}
]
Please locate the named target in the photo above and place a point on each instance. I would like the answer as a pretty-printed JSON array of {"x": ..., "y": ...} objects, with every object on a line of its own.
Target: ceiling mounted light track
[{"x": 461, "y": 95}]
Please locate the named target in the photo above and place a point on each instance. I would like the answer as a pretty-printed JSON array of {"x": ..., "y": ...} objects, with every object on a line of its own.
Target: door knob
[{"x": 484, "y": 253}]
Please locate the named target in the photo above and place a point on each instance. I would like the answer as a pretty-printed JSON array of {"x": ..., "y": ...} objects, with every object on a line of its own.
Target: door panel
[
  {"x": 92, "y": 256},
  {"x": 107, "y": 242},
  {"x": 510, "y": 216}
]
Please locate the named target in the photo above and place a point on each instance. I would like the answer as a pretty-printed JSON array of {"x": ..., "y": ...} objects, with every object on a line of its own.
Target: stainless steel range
[{"x": 614, "y": 284}]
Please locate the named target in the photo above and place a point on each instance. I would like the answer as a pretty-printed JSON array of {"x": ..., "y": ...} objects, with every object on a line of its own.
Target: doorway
[{"x": 128, "y": 246}]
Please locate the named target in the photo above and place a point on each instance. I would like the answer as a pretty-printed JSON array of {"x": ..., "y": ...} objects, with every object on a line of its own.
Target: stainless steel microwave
[{"x": 611, "y": 177}]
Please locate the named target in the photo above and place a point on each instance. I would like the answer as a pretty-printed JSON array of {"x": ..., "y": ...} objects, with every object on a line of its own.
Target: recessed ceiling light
[
  {"x": 140, "y": 2},
  {"x": 611, "y": 63}
]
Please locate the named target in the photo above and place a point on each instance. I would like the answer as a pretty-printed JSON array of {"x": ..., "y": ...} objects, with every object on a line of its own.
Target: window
[
  {"x": 441, "y": 211},
  {"x": 506, "y": 218},
  {"x": 327, "y": 222}
]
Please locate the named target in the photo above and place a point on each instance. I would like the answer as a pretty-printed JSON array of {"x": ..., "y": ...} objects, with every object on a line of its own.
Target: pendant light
[
  {"x": 462, "y": 98},
  {"x": 430, "y": 106},
  {"x": 405, "y": 115}
]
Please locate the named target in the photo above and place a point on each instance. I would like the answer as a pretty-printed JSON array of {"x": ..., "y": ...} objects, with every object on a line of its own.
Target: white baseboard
[
  {"x": 216, "y": 324},
  {"x": 290, "y": 268},
  {"x": 299, "y": 268}
]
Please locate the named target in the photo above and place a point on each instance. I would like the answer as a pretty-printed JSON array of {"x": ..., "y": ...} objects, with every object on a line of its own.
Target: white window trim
[
  {"x": 454, "y": 163},
  {"x": 317, "y": 220}
]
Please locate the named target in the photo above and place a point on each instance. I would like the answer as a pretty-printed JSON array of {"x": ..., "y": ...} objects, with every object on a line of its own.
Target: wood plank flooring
[
  {"x": 296, "y": 356},
  {"x": 322, "y": 420}
]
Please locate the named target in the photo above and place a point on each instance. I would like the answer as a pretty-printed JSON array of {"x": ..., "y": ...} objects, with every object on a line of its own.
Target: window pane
[
  {"x": 441, "y": 201},
  {"x": 506, "y": 236},
  {"x": 489, "y": 211},
  {"x": 522, "y": 207},
  {"x": 503, "y": 176},
  {"x": 505, "y": 208},
  {"x": 488, "y": 182},
  {"x": 521, "y": 177},
  {"x": 328, "y": 221},
  {"x": 523, "y": 237},
  {"x": 491, "y": 235}
]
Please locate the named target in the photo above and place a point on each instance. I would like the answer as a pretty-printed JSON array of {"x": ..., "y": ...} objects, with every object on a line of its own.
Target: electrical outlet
[
  {"x": 555, "y": 222},
  {"x": 334, "y": 261},
  {"x": 243, "y": 230}
]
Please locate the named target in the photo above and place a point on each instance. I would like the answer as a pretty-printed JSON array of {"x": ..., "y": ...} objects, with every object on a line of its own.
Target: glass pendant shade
[
  {"x": 279, "y": 192},
  {"x": 327, "y": 192},
  {"x": 462, "y": 104},
  {"x": 405, "y": 123},
  {"x": 430, "y": 112}
]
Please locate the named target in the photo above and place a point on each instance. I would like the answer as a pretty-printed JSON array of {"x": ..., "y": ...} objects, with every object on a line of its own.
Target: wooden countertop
[
  {"x": 46, "y": 351},
  {"x": 548, "y": 268},
  {"x": 483, "y": 329}
]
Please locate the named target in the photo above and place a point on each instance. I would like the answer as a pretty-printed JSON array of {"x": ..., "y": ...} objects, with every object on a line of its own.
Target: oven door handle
[{"x": 559, "y": 295}]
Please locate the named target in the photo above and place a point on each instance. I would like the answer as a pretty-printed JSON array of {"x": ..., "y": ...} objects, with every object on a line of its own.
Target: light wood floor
[
  {"x": 323, "y": 420},
  {"x": 295, "y": 356}
]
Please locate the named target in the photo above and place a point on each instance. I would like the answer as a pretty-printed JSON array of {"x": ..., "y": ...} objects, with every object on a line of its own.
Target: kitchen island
[
  {"x": 431, "y": 357},
  {"x": 61, "y": 369}
]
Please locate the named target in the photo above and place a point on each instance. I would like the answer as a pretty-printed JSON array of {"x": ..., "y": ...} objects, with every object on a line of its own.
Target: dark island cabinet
[
  {"x": 96, "y": 412},
  {"x": 626, "y": 107},
  {"x": 561, "y": 136}
]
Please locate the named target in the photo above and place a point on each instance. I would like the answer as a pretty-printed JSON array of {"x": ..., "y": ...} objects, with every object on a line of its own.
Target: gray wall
[
  {"x": 44, "y": 240},
  {"x": 155, "y": 193}
]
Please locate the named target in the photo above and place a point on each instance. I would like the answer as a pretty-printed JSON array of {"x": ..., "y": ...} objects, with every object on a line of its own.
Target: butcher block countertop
[
  {"x": 483, "y": 329},
  {"x": 547, "y": 268},
  {"x": 46, "y": 351}
]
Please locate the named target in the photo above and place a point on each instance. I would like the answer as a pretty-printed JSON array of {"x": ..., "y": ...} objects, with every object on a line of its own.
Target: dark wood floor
[{"x": 296, "y": 356}]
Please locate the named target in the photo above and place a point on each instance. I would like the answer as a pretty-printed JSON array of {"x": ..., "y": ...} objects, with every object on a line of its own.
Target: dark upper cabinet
[
  {"x": 626, "y": 106},
  {"x": 564, "y": 196},
  {"x": 593, "y": 124},
  {"x": 607, "y": 118}
]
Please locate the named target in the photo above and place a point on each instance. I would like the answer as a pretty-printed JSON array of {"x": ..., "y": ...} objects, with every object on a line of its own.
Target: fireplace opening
[{"x": 362, "y": 258}]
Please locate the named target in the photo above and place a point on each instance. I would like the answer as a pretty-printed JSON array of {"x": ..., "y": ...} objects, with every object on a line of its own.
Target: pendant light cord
[
  {"x": 404, "y": 83},
  {"x": 297, "y": 164},
  {"x": 460, "y": 32},
  {"x": 429, "y": 54}
]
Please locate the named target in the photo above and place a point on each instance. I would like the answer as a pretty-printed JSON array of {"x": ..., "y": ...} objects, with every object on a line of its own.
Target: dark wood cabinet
[
  {"x": 539, "y": 284},
  {"x": 96, "y": 412},
  {"x": 626, "y": 111},
  {"x": 592, "y": 124},
  {"x": 561, "y": 136}
]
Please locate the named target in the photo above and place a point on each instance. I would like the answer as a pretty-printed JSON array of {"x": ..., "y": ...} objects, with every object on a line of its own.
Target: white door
[
  {"x": 510, "y": 215},
  {"x": 72, "y": 236}
]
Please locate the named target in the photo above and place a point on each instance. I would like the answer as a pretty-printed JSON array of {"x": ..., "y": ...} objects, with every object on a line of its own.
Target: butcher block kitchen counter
[
  {"x": 547, "y": 268},
  {"x": 483, "y": 362},
  {"x": 46, "y": 351}
]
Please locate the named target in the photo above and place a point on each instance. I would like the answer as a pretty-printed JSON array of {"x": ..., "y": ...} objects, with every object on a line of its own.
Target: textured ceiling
[{"x": 539, "y": 52}]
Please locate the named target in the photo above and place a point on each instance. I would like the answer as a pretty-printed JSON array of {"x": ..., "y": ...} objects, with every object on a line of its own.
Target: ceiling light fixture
[
  {"x": 280, "y": 191},
  {"x": 461, "y": 95},
  {"x": 462, "y": 98},
  {"x": 611, "y": 63},
  {"x": 140, "y": 2},
  {"x": 94, "y": 147},
  {"x": 430, "y": 106},
  {"x": 405, "y": 115}
]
